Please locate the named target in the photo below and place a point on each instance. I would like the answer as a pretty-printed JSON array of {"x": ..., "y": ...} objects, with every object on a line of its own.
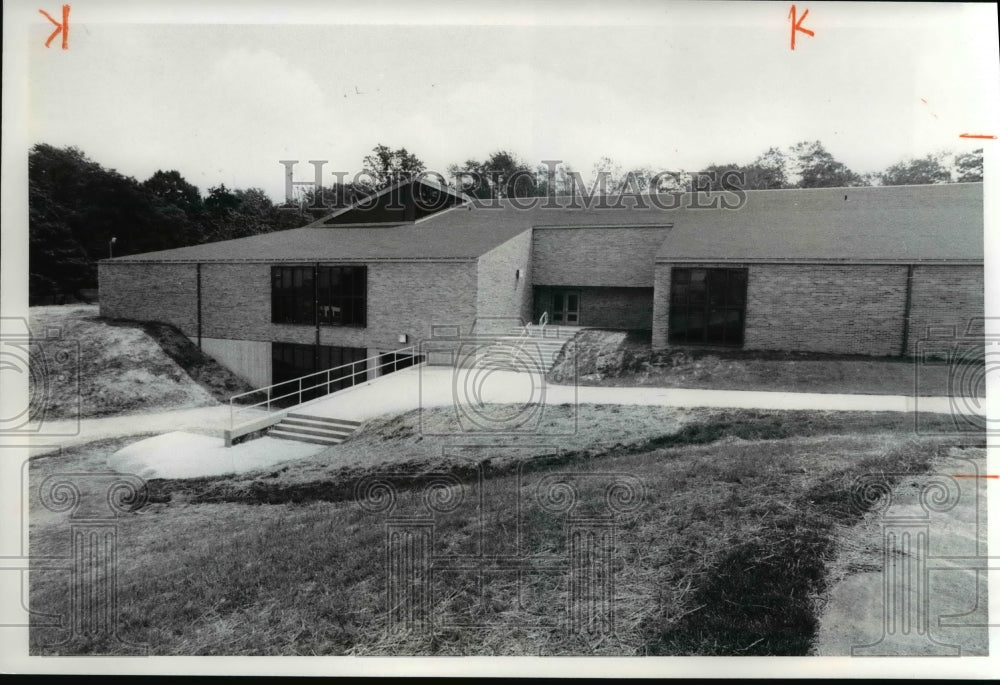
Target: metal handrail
[
  {"x": 327, "y": 372},
  {"x": 519, "y": 347}
]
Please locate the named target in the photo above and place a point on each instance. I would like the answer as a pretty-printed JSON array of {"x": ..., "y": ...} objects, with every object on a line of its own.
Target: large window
[
  {"x": 707, "y": 306},
  {"x": 324, "y": 295}
]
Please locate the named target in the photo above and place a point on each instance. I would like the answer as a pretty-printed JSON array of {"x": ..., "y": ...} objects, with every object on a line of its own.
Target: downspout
[
  {"x": 316, "y": 308},
  {"x": 198, "y": 288},
  {"x": 906, "y": 310}
]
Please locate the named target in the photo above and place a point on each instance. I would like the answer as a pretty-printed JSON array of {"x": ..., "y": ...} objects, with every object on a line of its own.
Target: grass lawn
[
  {"x": 619, "y": 358},
  {"x": 723, "y": 550},
  {"x": 100, "y": 367}
]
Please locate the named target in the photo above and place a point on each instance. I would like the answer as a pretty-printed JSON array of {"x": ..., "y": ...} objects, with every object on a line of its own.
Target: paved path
[
  {"x": 442, "y": 386},
  {"x": 69, "y": 433},
  {"x": 425, "y": 387},
  {"x": 880, "y": 612}
]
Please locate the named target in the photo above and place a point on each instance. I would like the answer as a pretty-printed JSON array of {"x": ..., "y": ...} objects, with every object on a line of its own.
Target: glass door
[{"x": 566, "y": 307}]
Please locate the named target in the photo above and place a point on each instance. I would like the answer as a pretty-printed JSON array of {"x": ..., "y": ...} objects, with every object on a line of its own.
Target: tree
[
  {"x": 503, "y": 174},
  {"x": 57, "y": 263},
  {"x": 220, "y": 198},
  {"x": 817, "y": 168},
  {"x": 614, "y": 179},
  {"x": 769, "y": 171},
  {"x": 77, "y": 203},
  {"x": 925, "y": 170},
  {"x": 387, "y": 167},
  {"x": 169, "y": 187},
  {"x": 76, "y": 207},
  {"x": 969, "y": 166}
]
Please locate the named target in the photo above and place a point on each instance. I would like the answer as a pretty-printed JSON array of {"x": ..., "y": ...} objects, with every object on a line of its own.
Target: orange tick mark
[
  {"x": 962, "y": 475},
  {"x": 62, "y": 27},
  {"x": 797, "y": 25},
  {"x": 977, "y": 135}
]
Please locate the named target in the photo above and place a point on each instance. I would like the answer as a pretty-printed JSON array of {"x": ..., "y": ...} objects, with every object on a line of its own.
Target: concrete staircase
[
  {"x": 321, "y": 430},
  {"x": 535, "y": 352}
]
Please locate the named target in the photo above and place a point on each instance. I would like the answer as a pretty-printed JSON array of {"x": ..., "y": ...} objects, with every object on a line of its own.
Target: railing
[
  {"x": 407, "y": 354},
  {"x": 525, "y": 335},
  {"x": 543, "y": 321}
]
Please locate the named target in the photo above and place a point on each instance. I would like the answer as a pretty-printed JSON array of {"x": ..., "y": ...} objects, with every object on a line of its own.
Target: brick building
[{"x": 839, "y": 270}]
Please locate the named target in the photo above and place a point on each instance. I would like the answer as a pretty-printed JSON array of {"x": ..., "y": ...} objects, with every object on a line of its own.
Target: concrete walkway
[
  {"x": 433, "y": 386},
  {"x": 933, "y": 529},
  {"x": 69, "y": 433}
]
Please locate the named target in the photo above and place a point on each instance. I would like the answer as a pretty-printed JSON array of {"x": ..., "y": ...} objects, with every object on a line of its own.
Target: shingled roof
[
  {"x": 889, "y": 224},
  {"x": 894, "y": 223}
]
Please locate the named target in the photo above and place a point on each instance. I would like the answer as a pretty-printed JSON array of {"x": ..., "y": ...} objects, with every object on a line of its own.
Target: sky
[{"x": 672, "y": 86}]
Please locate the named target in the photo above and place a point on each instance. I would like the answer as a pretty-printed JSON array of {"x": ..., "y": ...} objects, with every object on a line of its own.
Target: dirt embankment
[
  {"x": 85, "y": 366},
  {"x": 625, "y": 358}
]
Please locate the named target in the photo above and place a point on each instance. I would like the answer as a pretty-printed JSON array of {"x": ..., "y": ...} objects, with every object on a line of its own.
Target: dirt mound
[{"x": 86, "y": 366}]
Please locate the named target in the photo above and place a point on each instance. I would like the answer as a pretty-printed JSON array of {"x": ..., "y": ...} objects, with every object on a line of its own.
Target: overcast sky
[{"x": 672, "y": 86}]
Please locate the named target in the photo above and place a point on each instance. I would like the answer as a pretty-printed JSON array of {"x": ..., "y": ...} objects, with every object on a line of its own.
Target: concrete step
[
  {"x": 311, "y": 429},
  {"x": 550, "y": 332},
  {"x": 327, "y": 420},
  {"x": 322, "y": 430},
  {"x": 275, "y": 433}
]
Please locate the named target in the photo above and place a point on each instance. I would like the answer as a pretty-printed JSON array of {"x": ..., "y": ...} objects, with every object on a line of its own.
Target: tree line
[{"x": 80, "y": 212}]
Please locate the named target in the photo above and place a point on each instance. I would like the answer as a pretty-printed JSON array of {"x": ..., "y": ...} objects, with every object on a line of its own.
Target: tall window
[
  {"x": 707, "y": 306},
  {"x": 341, "y": 295},
  {"x": 327, "y": 295},
  {"x": 293, "y": 294}
]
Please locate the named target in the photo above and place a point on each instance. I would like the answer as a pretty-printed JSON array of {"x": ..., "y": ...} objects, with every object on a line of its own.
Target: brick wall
[
  {"x": 945, "y": 297},
  {"x": 503, "y": 298},
  {"x": 848, "y": 309},
  {"x": 150, "y": 292},
  {"x": 403, "y": 298},
  {"x": 613, "y": 257},
  {"x": 661, "y": 306},
  {"x": 605, "y": 307}
]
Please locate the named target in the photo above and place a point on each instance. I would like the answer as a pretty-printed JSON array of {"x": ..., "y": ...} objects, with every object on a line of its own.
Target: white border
[{"x": 13, "y": 281}]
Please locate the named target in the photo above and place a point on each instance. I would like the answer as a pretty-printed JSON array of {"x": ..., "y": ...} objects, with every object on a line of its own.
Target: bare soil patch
[{"x": 624, "y": 358}]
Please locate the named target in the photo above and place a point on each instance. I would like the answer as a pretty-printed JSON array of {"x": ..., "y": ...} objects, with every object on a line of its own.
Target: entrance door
[{"x": 566, "y": 307}]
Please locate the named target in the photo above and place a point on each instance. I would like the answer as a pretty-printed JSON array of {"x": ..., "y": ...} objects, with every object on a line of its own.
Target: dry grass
[
  {"x": 724, "y": 553},
  {"x": 99, "y": 367},
  {"x": 617, "y": 358}
]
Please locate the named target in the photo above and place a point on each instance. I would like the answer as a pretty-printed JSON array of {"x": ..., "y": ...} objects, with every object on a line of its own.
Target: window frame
[
  {"x": 699, "y": 296},
  {"x": 303, "y": 305}
]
